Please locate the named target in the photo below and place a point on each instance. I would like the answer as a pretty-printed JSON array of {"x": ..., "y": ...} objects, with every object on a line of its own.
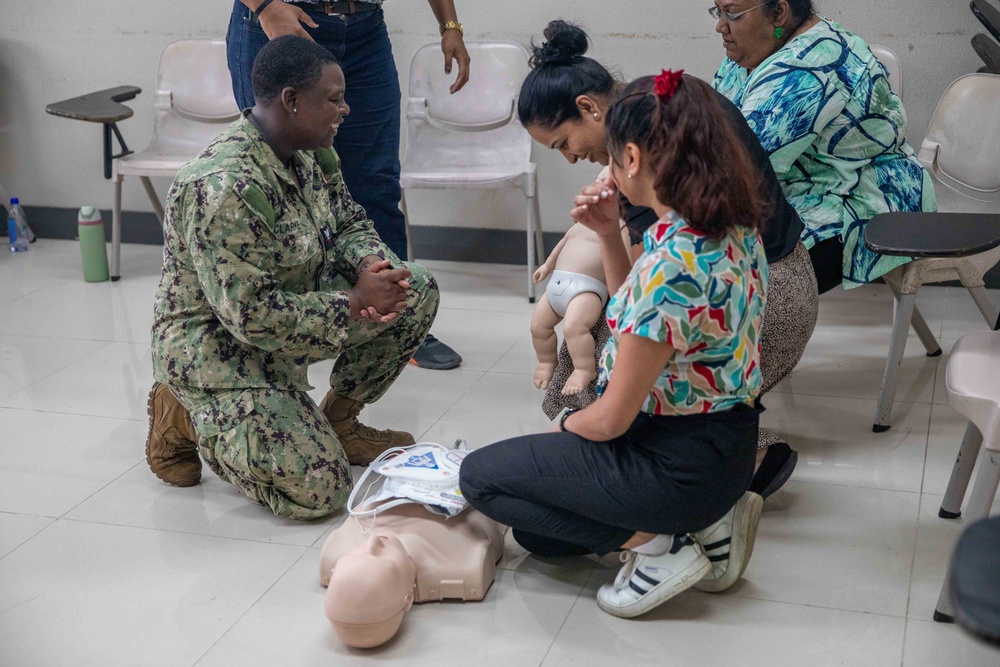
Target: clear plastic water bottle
[{"x": 17, "y": 227}]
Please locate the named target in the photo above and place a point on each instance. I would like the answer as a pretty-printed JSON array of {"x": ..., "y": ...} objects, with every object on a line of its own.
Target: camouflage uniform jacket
[{"x": 250, "y": 256}]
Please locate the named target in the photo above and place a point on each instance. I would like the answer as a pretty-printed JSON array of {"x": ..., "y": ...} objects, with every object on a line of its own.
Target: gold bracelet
[{"x": 452, "y": 25}]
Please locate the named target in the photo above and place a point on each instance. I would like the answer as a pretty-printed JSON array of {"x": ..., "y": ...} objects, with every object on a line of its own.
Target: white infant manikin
[{"x": 576, "y": 294}]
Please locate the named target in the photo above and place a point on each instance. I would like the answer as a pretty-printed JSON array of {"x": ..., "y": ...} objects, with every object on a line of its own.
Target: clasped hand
[
  {"x": 380, "y": 292},
  {"x": 596, "y": 207}
]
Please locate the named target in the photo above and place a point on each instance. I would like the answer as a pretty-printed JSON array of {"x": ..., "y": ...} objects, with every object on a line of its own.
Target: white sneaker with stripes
[
  {"x": 728, "y": 543},
  {"x": 645, "y": 582}
]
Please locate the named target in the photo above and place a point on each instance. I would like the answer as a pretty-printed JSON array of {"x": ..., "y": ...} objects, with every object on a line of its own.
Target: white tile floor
[{"x": 101, "y": 564}]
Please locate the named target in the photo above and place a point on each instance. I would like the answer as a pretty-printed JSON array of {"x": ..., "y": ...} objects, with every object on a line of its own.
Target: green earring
[{"x": 778, "y": 32}]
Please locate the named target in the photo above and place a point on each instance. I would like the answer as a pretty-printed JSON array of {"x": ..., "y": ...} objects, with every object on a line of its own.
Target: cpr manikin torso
[{"x": 408, "y": 555}]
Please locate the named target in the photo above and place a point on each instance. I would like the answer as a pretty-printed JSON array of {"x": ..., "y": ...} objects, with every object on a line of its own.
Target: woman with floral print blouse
[{"x": 668, "y": 447}]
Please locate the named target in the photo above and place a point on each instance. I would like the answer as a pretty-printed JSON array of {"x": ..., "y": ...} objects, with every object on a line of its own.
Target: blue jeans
[{"x": 368, "y": 140}]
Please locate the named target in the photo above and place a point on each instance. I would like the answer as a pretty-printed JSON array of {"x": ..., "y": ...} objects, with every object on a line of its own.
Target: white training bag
[{"x": 424, "y": 473}]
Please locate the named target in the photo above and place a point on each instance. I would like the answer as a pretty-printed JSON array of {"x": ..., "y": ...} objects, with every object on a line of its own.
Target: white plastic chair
[
  {"x": 974, "y": 391},
  {"x": 193, "y": 104},
  {"x": 888, "y": 58},
  {"x": 962, "y": 154},
  {"x": 471, "y": 139}
]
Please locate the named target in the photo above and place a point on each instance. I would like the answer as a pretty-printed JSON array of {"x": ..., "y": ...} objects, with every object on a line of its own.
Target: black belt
[{"x": 339, "y": 7}]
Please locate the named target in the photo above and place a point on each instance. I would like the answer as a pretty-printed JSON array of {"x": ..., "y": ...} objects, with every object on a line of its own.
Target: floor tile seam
[
  {"x": 61, "y": 368},
  {"x": 71, "y": 414},
  {"x": 452, "y": 405},
  {"x": 249, "y": 608},
  {"x": 33, "y": 536},
  {"x": 51, "y": 337},
  {"x": 181, "y": 532},
  {"x": 853, "y": 486},
  {"x": 569, "y": 612},
  {"x": 873, "y": 399},
  {"x": 17, "y": 298},
  {"x": 813, "y": 605},
  {"x": 913, "y": 560},
  {"x": 503, "y": 354}
]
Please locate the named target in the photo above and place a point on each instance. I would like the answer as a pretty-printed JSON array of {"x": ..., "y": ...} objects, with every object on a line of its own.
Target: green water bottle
[{"x": 92, "y": 247}]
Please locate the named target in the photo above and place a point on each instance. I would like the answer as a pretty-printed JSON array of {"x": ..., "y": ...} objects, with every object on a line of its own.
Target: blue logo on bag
[{"x": 422, "y": 461}]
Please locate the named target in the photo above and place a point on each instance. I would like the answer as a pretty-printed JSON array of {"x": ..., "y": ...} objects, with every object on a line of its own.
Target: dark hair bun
[{"x": 564, "y": 42}]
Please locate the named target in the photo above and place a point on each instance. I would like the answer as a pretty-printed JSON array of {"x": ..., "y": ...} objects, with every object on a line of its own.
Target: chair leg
[
  {"x": 539, "y": 236},
  {"x": 980, "y": 501},
  {"x": 990, "y": 312},
  {"x": 900, "y": 328},
  {"x": 116, "y": 231},
  {"x": 532, "y": 251},
  {"x": 153, "y": 198},
  {"x": 919, "y": 325},
  {"x": 961, "y": 473},
  {"x": 406, "y": 226}
]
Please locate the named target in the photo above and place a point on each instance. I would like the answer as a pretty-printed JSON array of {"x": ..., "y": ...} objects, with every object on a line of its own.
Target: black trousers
[
  {"x": 827, "y": 258},
  {"x": 563, "y": 495}
]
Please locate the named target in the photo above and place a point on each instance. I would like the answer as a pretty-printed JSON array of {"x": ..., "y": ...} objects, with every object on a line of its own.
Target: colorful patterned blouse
[
  {"x": 704, "y": 298},
  {"x": 822, "y": 108}
]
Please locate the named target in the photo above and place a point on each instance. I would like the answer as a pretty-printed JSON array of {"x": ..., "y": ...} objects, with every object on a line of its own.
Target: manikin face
[
  {"x": 370, "y": 588},
  {"x": 577, "y": 139},
  {"x": 748, "y": 40},
  {"x": 320, "y": 110}
]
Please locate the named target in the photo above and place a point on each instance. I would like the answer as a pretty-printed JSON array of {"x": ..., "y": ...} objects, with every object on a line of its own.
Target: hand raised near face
[{"x": 596, "y": 207}]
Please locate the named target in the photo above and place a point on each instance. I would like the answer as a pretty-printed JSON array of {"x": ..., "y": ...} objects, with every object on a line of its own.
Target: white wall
[{"x": 51, "y": 51}]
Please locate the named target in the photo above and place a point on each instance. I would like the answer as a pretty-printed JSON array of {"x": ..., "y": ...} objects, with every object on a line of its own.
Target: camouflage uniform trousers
[{"x": 275, "y": 445}]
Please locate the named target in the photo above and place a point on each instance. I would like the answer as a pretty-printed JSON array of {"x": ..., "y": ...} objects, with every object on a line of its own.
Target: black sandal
[{"x": 775, "y": 469}]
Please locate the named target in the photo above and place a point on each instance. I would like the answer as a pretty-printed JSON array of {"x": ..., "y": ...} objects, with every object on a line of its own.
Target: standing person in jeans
[
  {"x": 668, "y": 447},
  {"x": 368, "y": 142}
]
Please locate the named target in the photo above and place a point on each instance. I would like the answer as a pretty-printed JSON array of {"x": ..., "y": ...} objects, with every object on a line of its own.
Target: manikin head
[{"x": 370, "y": 589}]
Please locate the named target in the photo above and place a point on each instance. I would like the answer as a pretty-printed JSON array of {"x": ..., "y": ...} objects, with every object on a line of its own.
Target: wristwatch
[
  {"x": 452, "y": 25},
  {"x": 565, "y": 416}
]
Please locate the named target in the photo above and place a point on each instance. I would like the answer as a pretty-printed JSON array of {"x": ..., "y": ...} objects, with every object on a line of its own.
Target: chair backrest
[
  {"x": 194, "y": 94},
  {"x": 478, "y": 125},
  {"x": 891, "y": 63},
  {"x": 962, "y": 148}
]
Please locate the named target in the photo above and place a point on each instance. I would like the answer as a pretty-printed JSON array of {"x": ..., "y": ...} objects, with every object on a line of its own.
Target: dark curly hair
[
  {"x": 560, "y": 73},
  {"x": 801, "y": 10},
  {"x": 288, "y": 61},
  {"x": 701, "y": 168}
]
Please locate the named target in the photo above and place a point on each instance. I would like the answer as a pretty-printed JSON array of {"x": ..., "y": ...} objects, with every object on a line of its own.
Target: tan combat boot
[
  {"x": 361, "y": 443},
  {"x": 172, "y": 444}
]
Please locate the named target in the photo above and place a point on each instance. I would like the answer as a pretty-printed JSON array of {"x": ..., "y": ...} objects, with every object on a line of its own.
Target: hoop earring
[{"x": 778, "y": 32}]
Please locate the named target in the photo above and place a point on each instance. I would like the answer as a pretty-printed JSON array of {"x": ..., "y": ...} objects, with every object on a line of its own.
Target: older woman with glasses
[{"x": 821, "y": 105}]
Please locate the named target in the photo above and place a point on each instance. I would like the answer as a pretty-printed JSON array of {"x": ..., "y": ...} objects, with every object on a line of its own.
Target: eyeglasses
[{"x": 728, "y": 17}]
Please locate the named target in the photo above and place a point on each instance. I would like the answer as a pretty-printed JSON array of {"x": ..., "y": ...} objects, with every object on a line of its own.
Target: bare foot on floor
[
  {"x": 543, "y": 375},
  {"x": 578, "y": 382}
]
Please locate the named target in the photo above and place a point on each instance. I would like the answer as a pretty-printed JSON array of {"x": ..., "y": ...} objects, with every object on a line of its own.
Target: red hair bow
[{"x": 665, "y": 85}]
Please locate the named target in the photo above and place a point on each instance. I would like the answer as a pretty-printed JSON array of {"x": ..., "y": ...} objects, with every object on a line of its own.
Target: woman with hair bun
[
  {"x": 563, "y": 104},
  {"x": 659, "y": 464}
]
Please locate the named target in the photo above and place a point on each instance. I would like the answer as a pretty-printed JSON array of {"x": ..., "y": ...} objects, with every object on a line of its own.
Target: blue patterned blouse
[{"x": 823, "y": 110}]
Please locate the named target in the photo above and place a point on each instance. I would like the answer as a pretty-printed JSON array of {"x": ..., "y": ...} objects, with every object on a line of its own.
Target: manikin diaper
[{"x": 424, "y": 473}]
